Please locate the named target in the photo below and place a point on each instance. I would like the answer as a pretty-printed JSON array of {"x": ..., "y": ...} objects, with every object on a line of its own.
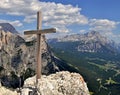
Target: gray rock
[{"x": 61, "y": 83}]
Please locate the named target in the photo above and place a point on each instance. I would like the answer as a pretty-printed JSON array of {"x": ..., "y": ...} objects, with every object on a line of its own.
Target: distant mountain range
[{"x": 90, "y": 42}]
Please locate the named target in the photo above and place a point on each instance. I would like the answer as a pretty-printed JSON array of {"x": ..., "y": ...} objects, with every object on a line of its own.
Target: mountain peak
[
  {"x": 7, "y": 27},
  {"x": 93, "y": 35},
  {"x": 93, "y": 32}
]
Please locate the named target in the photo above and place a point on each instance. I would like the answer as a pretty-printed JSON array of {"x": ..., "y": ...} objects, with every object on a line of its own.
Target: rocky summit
[{"x": 61, "y": 83}]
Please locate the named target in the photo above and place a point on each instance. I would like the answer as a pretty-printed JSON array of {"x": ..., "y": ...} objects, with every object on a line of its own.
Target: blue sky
[
  {"x": 95, "y": 8},
  {"x": 67, "y": 16}
]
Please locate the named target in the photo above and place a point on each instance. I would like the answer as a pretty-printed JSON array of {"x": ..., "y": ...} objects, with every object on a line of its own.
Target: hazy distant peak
[
  {"x": 7, "y": 27},
  {"x": 93, "y": 32},
  {"x": 92, "y": 35}
]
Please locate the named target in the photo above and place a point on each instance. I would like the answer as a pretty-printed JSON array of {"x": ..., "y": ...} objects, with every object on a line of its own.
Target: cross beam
[
  {"x": 45, "y": 31},
  {"x": 39, "y": 33}
]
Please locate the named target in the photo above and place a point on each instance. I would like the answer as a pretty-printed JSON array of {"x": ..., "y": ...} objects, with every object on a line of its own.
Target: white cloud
[
  {"x": 53, "y": 14},
  {"x": 19, "y": 7},
  {"x": 61, "y": 16},
  {"x": 30, "y": 18},
  {"x": 106, "y": 27},
  {"x": 62, "y": 29},
  {"x": 82, "y": 31},
  {"x": 16, "y": 23},
  {"x": 102, "y": 25},
  {"x": 113, "y": 36}
]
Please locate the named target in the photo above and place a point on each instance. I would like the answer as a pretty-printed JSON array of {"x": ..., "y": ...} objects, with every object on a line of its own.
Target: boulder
[{"x": 61, "y": 83}]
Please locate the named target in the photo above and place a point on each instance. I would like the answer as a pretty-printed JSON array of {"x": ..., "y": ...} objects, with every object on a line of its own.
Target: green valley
[{"x": 96, "y": 70}]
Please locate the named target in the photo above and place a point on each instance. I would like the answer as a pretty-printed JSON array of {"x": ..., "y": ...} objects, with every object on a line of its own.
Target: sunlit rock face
[
  {"x": 61, "y": 83},
  {"x": 5, "y": 91}
]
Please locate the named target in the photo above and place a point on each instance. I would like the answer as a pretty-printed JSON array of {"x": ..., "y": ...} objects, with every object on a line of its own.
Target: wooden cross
[{"x": 39, "y": 33}]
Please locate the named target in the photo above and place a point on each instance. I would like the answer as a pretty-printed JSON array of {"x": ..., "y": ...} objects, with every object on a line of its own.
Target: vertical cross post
[{"x": 39, "y": 52}]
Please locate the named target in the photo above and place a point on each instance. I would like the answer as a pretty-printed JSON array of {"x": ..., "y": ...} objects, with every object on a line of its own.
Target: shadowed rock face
[{"x": 61, "y": 83}]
